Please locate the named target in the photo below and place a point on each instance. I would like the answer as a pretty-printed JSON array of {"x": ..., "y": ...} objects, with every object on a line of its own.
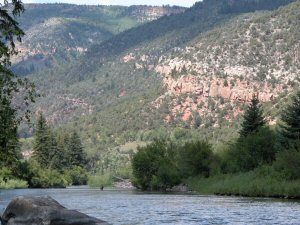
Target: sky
[{"x": 186, "y": 3}]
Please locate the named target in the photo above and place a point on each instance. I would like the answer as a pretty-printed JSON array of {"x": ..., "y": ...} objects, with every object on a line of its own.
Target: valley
[{"x": 145, "y": 84}]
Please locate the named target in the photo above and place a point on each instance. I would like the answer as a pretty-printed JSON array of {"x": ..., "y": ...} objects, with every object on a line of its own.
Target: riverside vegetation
[
  {"x": 58, "y": 160},
  {"x": 262, "y": 161}
]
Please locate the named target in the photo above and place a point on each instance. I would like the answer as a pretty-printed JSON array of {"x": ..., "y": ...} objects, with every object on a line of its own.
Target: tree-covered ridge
[
  {"x": 258, "y": 157},
  {"x": 265, "y": 45},
  {"x": 58, "y": 33},
  {"x": 254, "y": 53},
  {"x": 116, "y": 101},
  {"x": 197, "y": 19},
  {"x": 90, "y": 66}
]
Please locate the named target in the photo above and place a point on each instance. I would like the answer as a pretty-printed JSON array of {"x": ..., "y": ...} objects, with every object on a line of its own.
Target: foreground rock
[{"x": 43, "y": 211}]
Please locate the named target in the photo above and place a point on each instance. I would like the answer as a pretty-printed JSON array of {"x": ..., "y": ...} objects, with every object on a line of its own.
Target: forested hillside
[
  {"x": 58, "y": 33},
  {"x": 185, "y": 76}
]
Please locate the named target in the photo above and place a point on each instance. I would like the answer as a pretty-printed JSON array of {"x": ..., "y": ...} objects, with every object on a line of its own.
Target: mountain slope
[
  {"x": 256, "y": 54},
  {"x": 58, "y": 33},
  {"x": 192, "y": 81}
]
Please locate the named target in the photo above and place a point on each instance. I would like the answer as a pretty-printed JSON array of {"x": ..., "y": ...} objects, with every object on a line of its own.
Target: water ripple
[{"x": 134, "y": 208}]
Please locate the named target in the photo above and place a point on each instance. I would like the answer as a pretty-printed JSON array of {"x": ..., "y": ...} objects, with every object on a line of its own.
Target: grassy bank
[
  {"x": 246, "y": 184},
  {"x": 13, "y": 184}
]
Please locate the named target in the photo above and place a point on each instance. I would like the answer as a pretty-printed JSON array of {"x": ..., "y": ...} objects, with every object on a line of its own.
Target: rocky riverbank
[{"x": 44, "y": 211}]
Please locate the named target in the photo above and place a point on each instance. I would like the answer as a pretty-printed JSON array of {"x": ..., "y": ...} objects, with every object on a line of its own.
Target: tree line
[
  {"x": 57, "y": 150},
  {"x": 164, "y": 164}
]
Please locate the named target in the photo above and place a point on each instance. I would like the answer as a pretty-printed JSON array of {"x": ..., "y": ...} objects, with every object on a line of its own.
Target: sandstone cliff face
[
  {"x": 197, "y": 88},
  {"x": 205, "y": 85},
  {"x": 149, "y": 13},
  {"x": 222, "y": 70},
  {"x": 216, "y": 87}
]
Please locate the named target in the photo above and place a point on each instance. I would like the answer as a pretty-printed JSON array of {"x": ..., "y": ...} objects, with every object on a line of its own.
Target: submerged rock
[{"x": 43, "y": 211}]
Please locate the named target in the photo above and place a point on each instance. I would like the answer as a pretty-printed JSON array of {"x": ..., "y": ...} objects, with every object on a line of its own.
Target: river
[{"x": 132, "y": 207}]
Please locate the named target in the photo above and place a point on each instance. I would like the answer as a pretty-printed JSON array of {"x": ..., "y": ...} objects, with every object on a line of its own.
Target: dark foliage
[
  {"x": 162, "y": 165},
  {"x": 253, "y": 118},
  {"x": 244, "y": 6},
  {"x": 290, "y": 130},
  {"x": 10, "y": 84},
  {"x": 251, "y": 151},
  {"x": 57, "y": 151}
]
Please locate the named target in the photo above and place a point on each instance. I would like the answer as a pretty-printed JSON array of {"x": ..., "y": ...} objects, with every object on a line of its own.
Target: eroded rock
[{"x": 43, "y": 211}]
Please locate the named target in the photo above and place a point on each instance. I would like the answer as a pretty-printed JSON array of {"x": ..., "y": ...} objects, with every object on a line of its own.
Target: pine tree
[
  {"x": 8, "y": 134},
  {"x": 290, "y": 130},
  {"x": 56, "y": 153},
  {"x": 77, "y": 154},
  {"x": 42, "y": 142},
  {"x": 10, "y": 84},
  {"x": 63, "y": 153},
  {"x": 253, "y": 118}
]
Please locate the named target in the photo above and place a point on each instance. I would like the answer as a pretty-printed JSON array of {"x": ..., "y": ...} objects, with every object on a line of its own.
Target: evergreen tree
[
  {"x": 253, "y": 118},
  {"x": 184, "y": 70},
  {"x": 56, "y": 154},
  {"x": 290, "y": 130},
  {"x": 10, "y": 84},
  {"x": 63, "y": 155},
  {"x": 197, "y": 120},
  {"x": 8, "y": 134},
  {"x": 42, "y": 142},
  {"x": 77, "y": 155}
]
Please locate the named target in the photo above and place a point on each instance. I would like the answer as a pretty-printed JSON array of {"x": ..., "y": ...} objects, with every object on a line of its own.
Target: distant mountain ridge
[
  {"x": 175, "y": 30},
  {"x": 58, "y": 33}
]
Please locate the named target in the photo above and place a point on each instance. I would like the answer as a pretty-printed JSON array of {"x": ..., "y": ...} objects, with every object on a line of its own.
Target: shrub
[
  {"x": 195, "y": 159},
  {"x": 12, "y": 184},
  {"x": 100, "y": 180},
  {"x": 49, "y": 178},
  {"x": 38, "y": 177},
  {"x": 154, "y": 168},
  {"x": 9, "y": 181},
  {"x": 250, "y": 151},
  {"x": 288, "y": 162},
  {"x": 76, "y": 175},
  {"x": 6, "y": 173}
]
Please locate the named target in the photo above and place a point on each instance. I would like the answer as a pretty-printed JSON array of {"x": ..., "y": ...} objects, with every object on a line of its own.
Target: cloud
[{"x": 186, "y": 3}]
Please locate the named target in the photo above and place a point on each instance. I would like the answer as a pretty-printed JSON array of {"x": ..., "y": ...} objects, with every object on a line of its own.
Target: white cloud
[{"x": 186, "y": 3}]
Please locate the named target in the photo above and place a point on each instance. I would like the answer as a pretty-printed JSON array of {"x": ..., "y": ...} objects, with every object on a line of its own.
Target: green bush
[
  {"x": 12, "y": 184},
  {"x": 6, "y": 173},
  {"x": 124, "y": 172},
  {"x": 100, "y": 180},
  {"x": 195, "y": 158},
  {"x": 76, "y": 175},
  {"x": 38, "y": 177},
  {"x": 154, "y": 168},
  {"x": 9, "y": 181},
  {"x": 288, "y": 162},
  {"x": 251, "y": 151},
  {"x": 49, "y": 179}
]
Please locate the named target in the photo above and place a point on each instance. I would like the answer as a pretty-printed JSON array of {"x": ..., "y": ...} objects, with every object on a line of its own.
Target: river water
[{"x": 132, "y": 207}]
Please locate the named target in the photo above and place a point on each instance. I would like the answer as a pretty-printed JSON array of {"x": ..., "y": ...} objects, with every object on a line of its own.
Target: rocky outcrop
[
  {"x": 43, "y": 211},
  {"x": 149, "y": 13}
]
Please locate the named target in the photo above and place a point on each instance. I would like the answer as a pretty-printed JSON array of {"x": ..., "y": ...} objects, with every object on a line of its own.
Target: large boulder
[{"x": 43, "y": 211}]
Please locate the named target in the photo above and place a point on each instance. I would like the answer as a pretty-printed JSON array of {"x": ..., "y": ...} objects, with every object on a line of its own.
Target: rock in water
[{"x": 43, "y": 211}]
